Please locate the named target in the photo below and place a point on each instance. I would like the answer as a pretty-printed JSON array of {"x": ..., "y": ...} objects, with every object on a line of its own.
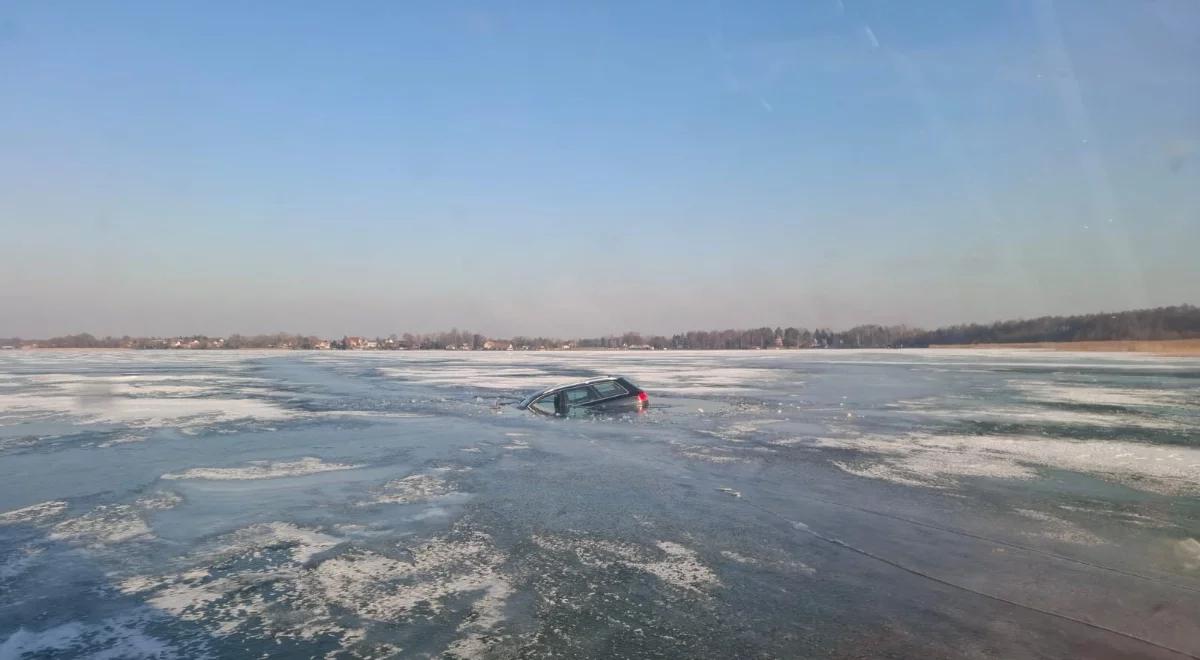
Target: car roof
[{"x": 563, "y": 386}]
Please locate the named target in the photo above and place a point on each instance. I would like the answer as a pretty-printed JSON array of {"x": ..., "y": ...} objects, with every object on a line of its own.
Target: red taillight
[{"x": 642, "y": 397}]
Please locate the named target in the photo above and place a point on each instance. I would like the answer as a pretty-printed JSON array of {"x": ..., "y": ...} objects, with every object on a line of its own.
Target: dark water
[{"x": 769, "y": 504}]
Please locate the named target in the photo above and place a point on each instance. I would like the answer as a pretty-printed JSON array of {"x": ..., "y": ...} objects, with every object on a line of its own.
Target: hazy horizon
[
  {"x": 582, "y": 171},
  {"x": 593, "y": 335}
]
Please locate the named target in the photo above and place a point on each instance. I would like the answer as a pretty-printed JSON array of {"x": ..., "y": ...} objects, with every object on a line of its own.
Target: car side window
[
  {"x": 609, "y": 388},
  {"x": 545, "y": 404},
  {"x": 578, "y": 395}
]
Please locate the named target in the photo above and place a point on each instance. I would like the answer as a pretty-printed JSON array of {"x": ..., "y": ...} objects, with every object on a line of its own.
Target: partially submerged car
[{"x": 606, "y": 394}]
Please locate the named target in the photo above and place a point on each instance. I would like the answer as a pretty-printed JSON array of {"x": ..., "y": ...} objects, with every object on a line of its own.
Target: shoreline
[{"x": 1161, "y": 347}]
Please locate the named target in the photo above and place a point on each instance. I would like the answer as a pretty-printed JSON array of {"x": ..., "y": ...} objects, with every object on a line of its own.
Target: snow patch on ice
[
  {"x": 1039, "y": 415},
  {"x": 1097, "y": 395},
  {"x": 413, "y": 488},
  {"x": 787, "y": 442},
  {"x": 739, "y": 431},
  {"x": 675, "y": 565},
  {"x": 382, "y": 588},
  {"x": 159, "y": 501},
  {"x": 263, "y": 470},
  {"x": 105, "y": 525},
  {"x": 884, "y": 472},
  {"x": 1060, "y": 529},
  {"x": 1126, "y": 517},
  {"x": 34, "y": 514},
  {"x": 1188, "y": 552},
  {"x": 141, "y": 401},
  {"x": 336, "y": 595},
  {"x": 710, "y": 454},
  {"x": 938, "y": 461},
  {"x": 739, "y": 558}
]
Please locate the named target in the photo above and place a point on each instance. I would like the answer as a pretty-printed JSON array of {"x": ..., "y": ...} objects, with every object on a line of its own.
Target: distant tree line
[{"x": 1178, "y": 322}]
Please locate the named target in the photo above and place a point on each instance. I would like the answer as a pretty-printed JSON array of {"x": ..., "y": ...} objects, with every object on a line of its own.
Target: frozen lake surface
[{"x": 769, "y": 504}]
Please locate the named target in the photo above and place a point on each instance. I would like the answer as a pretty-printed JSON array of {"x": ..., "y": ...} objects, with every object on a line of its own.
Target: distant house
[{"x": 354, "y": 343}]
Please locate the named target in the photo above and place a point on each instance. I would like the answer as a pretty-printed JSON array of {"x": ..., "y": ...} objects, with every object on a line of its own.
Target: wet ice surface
[{"x": 904, "y": 503}]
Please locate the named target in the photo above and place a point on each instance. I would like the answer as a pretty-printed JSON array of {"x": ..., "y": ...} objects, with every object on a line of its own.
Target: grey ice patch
[
  {"x": 111, "y": 639},
  {"x": 19, "y": 561}
]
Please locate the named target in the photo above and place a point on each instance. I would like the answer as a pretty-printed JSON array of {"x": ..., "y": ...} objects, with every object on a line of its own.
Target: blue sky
[{"x": 578, "y": 169}]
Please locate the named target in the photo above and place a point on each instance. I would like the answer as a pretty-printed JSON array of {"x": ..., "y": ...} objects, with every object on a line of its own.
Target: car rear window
[{"x": 609, "y": 388}]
